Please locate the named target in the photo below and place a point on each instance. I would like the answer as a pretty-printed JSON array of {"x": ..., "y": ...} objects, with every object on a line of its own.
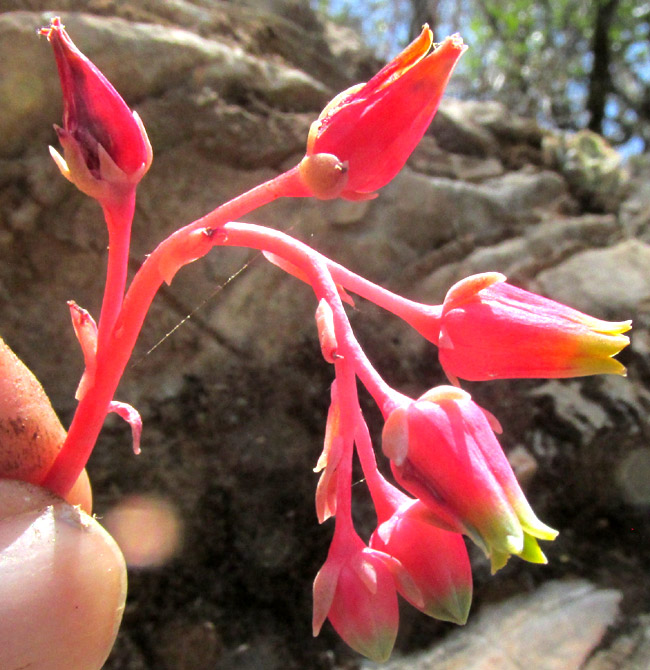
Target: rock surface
[
  {"x": 556, "y": 627},
  {"x": 234, "y": 401}
]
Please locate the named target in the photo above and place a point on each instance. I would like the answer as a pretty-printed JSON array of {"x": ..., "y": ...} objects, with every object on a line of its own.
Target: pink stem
[
  {"x": 185, "y": 245},
  {"x": 346, "y": 381},
  {"x": 303, "y": 256},
  {"x": 119, "y": 217},
  {"x": 385, "y": 496},
  {"x": 420, "y": 316}
]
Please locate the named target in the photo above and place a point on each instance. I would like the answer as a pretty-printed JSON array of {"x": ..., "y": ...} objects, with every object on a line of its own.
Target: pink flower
[
  {"x": 435, "y": 559},
  {"x": 104, "y": 143},
  {"x": 492, "y": 330},
  {"x": 444, "y": 452},
  {"x": 372, "y": 128},
  {"x": 355, "y": 590}
]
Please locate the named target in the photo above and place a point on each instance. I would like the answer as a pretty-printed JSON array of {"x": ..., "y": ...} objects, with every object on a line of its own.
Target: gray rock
[
  {"x": 608, "y": 282},
  {"x": 629, "y": 652},
  {"x": 556, "y": 627}
]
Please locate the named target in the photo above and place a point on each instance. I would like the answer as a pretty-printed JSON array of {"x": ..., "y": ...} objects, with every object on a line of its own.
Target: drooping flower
[
  {"x": 373, "y": 128},
  {"x": 105, "y": 145},
  {"x": 443, "y": 451},
  {"x": 355, "y": 590},
  {"x": 435, "y": 559},
  {"x": 490, "y": 329}
]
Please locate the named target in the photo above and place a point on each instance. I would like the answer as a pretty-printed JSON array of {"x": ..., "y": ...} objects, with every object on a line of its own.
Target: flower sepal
[{"x": 105, "y": 183}]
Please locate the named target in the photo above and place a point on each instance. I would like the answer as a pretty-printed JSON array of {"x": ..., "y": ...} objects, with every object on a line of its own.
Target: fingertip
[{"x": 62, "y": 584}]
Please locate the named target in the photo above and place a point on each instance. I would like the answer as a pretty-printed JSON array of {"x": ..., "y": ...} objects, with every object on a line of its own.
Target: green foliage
[{"x": 542, "y": 59}]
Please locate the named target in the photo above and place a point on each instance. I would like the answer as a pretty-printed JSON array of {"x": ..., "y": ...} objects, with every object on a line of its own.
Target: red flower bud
[
  {"x": 105, "y": 145},
  {"x": 373, "y": 128},
  {"x": 492, "y": 330}
]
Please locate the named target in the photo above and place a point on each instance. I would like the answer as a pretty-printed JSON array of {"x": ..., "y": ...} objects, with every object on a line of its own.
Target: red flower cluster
[{"x": 442, "y": 446}]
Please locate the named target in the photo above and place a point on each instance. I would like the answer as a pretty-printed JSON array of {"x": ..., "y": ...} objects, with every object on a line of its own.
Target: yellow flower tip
[
  {"x": 611, "y": 327},
  {"x": 598, "y": 366},
  {"x": 595, "y": 355},
  {"x": 531, "y": 551},
  {"x": 623, "y": 326},
  {"x": 415, "y": 51},
  {"x": 541, "y": 531},
  {"x": 498, "y": 560},
  {"x": 616, "y": 368}
]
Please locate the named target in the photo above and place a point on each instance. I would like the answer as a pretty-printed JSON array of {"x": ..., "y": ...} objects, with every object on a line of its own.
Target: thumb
[{"x": 62, "y": 583}]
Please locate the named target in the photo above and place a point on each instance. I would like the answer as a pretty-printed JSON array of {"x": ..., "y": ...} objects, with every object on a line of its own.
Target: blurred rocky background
[{"x": 228, "y": 375}]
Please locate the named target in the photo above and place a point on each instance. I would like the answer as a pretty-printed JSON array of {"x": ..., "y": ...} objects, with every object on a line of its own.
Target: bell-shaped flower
[
  {"x": 490, "y": 329},
  {"x": 443, "y": 451},
  {"x": 372, "y": 128},
  {"x": 435, "y": 559},
  {"x": 105, "y": 145},
  {"x": 355, "y": 590}
]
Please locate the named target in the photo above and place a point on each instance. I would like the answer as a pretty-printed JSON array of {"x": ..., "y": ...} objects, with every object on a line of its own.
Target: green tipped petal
[
  {"x": 540, "y": 530},
  {"x": 454, "y": 608},
  {"x": 378, "y": 648},
  {"x": 530, "y": 523},
  {"x": 497, "y": 560},
  {"x": 531, "y": 551}
]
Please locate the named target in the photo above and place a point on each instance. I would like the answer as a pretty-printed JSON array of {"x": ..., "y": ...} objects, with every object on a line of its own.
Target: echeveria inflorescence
[{"x": 442, "y": 446}]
